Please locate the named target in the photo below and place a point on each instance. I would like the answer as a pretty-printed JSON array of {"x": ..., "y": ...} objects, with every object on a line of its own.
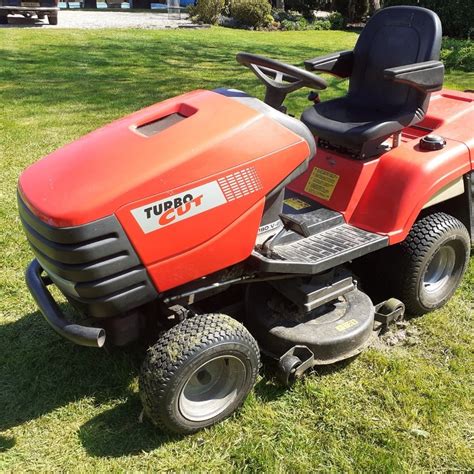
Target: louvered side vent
[{"x": 93, "y": 264}]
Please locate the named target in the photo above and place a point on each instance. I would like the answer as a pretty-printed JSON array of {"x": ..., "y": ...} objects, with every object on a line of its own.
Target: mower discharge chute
[{"x": 218, "y": 227}]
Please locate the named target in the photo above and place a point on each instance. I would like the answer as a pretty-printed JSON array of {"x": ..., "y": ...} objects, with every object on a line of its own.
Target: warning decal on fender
[
  {"x": 321, "y": 183},
  {"x": 158, "y": 214},
  {"x": 296, "y": 203}
]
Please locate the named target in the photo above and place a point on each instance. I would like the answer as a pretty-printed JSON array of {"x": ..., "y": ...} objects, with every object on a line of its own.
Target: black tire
[
  {"x": 185, "y": 359},
  {"x": 53, "y": 19},
  {"x": 3, "y": 20},
  {"x": 429, "y": 264}
]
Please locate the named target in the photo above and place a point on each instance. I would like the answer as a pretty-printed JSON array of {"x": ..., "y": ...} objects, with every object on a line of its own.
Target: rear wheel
[
  {"x": 198, "y": 373},
  {"x": 53, "y": 19},
  {"x": 429, "y": 264}
]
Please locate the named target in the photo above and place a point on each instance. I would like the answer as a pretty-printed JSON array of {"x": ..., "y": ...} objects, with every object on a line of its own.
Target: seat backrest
[{"x": 394, "y": 36}]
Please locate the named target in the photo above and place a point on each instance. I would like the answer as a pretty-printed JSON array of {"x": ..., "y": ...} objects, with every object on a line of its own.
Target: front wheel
[
  {"x": 431, "y": 262},
  {"x": 198, "y": 373}
]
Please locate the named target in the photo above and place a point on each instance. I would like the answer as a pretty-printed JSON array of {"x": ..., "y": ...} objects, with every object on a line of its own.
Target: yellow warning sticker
[
  {"x": 296, "y": 203},
  {"x": 347, "y": 325},
  {"x": 321, "y": 183}
]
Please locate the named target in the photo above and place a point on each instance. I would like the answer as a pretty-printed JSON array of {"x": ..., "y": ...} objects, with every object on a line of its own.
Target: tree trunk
[
  {"x": 351, "y": 11},
  {"x": 374, "y": 5},
  {"x": 280, "y": 4}
]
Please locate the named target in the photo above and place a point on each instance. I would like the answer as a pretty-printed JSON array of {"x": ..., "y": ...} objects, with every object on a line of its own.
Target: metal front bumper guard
[{"x": 81, "y": 335}]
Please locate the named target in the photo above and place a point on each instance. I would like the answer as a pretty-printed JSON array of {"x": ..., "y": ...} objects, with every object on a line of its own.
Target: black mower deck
[{"x": 314, "y": 240}]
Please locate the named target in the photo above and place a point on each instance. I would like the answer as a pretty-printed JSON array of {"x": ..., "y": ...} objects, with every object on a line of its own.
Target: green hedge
[
  {"x": 458, "y": 54},
  {"x": 207, "y": 11},
  {"x": 255, "y": 13},
  {"x": 457, "y": 16}
]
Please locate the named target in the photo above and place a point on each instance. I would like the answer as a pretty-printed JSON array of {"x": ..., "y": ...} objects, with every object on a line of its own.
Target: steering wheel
[{"x": 286, "y": 78}]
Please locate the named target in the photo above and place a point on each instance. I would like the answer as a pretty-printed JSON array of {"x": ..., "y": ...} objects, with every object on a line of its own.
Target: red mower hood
[{"x": 155, "y": 150}]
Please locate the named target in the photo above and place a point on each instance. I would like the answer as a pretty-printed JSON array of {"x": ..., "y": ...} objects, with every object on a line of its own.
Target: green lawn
[{"x": 66, "y": 408}]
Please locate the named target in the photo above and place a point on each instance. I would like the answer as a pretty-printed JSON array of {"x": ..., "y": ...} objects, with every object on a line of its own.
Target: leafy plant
[
  {"x": 456, "y": 16},
  {"x": 337, "y": 21},
  {"x": 255, "y": 13},
  {"x": 208, "y": 11},
  {"x": 458, "y": 54}
]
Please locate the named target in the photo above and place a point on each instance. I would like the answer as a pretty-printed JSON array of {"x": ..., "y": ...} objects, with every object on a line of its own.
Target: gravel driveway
[{"x": 103, "y": 19}]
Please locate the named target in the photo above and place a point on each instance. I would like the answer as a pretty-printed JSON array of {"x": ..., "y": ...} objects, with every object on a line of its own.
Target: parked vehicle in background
[{"x": 40, "y": 8}]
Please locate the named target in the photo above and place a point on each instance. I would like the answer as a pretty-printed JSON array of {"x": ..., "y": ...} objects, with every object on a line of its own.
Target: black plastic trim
[
  {"x": 93, "y": 264},
  {"x": 427, "y": 76},
  {"x": 339, "y": 64}
]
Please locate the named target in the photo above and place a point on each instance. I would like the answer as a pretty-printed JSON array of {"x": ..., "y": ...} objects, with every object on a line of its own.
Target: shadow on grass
[
  {"x": 270, "y": 388},
  {"x": 41, "y": 372},
  {"x": 118, "y": 432},
  {"x": 6, "y": 443}
]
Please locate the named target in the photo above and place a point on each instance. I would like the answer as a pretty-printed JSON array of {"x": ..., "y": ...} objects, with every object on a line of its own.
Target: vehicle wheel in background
[{"x": 430, "y": 263}]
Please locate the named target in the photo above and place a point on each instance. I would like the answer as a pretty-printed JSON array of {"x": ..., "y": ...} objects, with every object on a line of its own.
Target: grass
[{"x": 66, "y": 408}]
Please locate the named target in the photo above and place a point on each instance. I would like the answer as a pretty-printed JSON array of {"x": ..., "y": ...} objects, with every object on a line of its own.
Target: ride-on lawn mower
[{"x": 218, "y": 226}]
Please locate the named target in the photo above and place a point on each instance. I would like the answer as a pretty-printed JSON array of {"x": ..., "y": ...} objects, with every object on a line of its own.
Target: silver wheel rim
[
  {"x": 440, "y": 269},
  {"x": 212, "y": 388}
]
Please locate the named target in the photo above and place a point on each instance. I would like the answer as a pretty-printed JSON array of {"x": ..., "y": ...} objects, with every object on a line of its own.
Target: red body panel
[
  {"x": 223, "y": 150},
  {"x": 386, "y": 194},
  {"x": 114, "y": 166},
  {"x": 191, "y": 197},
  {"x": 230, "y": 246}
]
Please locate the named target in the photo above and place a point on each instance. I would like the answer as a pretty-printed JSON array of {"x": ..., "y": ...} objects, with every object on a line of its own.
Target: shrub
[
  {"x": 457, "y": 16},
  {"x": 295, "y": 21},
  {"x": 301, "y": 23},
  {"x": 458, "y": 54},
  {"x": 319, "y": 25},
  {"x": 251, "y": 12},
  {"x": 208, "y": 11},
  {"x": 337, "y": 21},
  {"x": 294, "y": 25},
  {"x": 291, "y": 15}
]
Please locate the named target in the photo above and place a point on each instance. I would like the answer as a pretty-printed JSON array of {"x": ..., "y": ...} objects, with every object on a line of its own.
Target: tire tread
[
  {"x": 174, "y": 349},
  {"x": 425, "y": 233}
]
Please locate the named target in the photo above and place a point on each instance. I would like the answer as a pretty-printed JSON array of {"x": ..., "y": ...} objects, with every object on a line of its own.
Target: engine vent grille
[{"x": 93, "y": 264}]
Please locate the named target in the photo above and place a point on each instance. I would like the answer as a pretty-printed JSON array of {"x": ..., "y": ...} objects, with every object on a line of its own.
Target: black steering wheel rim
[{"x": 303, "y": 78}]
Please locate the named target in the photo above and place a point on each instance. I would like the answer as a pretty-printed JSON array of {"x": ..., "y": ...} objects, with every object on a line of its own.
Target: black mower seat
[
  {"x": 392, "y": 70},
  {"x": 343, "y": 122}
]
